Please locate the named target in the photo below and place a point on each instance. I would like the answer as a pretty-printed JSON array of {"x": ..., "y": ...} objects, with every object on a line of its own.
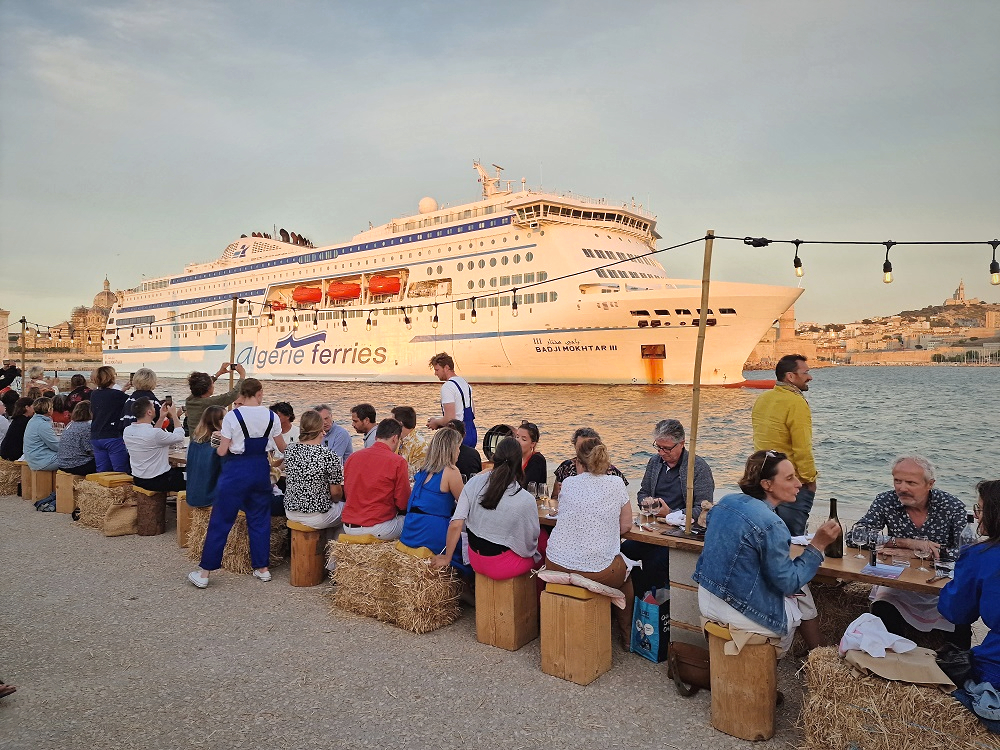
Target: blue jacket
[
  {"x": 975, "y": 593},
  {"x": 41, "y": 446},
  {"x": 746, "y": 560}
]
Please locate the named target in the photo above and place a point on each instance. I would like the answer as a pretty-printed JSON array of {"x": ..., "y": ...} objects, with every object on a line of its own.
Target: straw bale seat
[
  {"x": 10, "y": 477},
  {"x": 843, "y": 709},
  {"x": 152, "y": 511},
  {"x": 575, "y": 633},
  {"x": 236, "y": 555},
  {"x": 506, "y": 611},
  {"x": 744, "y": 686},
  {"x": 308, "y": 563},
  {"x": 66, "y": 484},
  {"x": 393, "y": 583},
  {"x": 97, "y": 493}
]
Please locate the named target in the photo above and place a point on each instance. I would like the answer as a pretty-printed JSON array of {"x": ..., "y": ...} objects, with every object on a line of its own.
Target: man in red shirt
[{"x": 377, "y": 486}]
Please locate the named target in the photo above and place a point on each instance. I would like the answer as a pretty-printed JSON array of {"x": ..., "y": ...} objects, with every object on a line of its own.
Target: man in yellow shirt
[
  {"x": 413, "y": 444},
  {"x": 782, "y": 422}
]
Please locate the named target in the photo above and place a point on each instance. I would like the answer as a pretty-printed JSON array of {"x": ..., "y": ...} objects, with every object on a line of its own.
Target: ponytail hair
[
  {"x": 594, "y": 455},
  {"x": 506, "y": 471}
]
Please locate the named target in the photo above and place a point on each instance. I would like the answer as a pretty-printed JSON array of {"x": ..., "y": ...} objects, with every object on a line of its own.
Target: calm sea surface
[{"x": 863, "y": 417}]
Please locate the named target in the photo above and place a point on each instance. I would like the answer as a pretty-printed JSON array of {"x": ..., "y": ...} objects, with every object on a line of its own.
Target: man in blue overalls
[
  {"x": 454, "y": 391},
  {"x": 245, "y": 484}
]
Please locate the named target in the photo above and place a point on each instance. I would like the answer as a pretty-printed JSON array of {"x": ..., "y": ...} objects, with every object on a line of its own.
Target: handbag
[
  {"x": 122, "y": 519},
  {"x": 651, "y": 626},
  {"x": 955, "y": 662},
  {"x": 687, "y": 666}
]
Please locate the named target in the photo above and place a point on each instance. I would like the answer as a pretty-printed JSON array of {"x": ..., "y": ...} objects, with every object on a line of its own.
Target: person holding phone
[{"x": 203, "y": 394}]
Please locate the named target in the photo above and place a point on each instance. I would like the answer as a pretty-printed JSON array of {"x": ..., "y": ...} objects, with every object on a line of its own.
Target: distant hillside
[{"x": 971, "y": 315}]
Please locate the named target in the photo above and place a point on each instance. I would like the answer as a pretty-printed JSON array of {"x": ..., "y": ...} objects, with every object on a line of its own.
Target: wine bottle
[{"x": 836, "y": 547}]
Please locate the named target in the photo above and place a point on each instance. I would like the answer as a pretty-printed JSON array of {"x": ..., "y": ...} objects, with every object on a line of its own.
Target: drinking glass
[
  {"x": 859, "y": 537},
  {"x": 922, "y": 553},
  {"x": 533, "y": 489},
  {"x": 645, "y": 511},
  {"x": 543, "y": 495}
]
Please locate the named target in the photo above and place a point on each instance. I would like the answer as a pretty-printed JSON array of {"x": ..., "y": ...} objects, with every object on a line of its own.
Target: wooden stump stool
[
  {"x": 152, "y": 511},
  {"x": 26, "y": 492},
  {"x": 744, "y": 686},
  {"x": 66, "y": 491},
  {"x": 308, "y": 555},
  {"x": 576, "y": 633},
  {"x": 506, "y": 611},
  {"x": 43, "y": 484},
  {"x": 183, "y": 519}
]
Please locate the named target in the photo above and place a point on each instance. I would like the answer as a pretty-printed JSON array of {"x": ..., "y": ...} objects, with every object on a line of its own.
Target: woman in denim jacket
[{"x": 746, "y": 576}]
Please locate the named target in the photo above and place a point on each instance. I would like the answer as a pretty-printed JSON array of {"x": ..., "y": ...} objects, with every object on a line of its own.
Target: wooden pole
[
  {"x": 706, "y": 280},
  {"x": 232, "y": 342},
  {"x": 24, "y": 369}
]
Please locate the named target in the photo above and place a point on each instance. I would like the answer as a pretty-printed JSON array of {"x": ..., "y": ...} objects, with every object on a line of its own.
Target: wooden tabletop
[
  {"x": 177, "y": 458},
  {"x": 847, "y": 568}
]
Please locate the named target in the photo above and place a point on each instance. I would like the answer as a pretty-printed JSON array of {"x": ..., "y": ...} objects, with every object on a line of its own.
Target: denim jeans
[
  {"x": 796, "y": 515},
  {"x": 110, "y": 454}
]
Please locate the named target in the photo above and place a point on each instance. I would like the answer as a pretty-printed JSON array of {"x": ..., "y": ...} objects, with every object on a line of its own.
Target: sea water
[{"x": 863, "y": 417}]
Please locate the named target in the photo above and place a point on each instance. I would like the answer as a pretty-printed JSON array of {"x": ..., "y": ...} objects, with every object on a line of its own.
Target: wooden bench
[
  {"x": 183, "y": 519},
  {"x": 43, "y": 484},
  {"x": 308, "y": 555},
  {"x": 152, "y": 511},
  {"x": 506, "y": 611},
  {"x": 66, "y": 491},
  {"x": 576, "y": 633},
  {"x": 744, "y": 686},
  {"x": 26, "y": 492}
]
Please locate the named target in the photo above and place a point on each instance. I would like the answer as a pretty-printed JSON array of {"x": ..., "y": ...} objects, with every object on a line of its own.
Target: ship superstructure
[{"x": 519, "y": 286}]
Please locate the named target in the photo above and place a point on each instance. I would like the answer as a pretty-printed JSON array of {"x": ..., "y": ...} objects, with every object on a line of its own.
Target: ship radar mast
[{"x": 491, "y": 185}]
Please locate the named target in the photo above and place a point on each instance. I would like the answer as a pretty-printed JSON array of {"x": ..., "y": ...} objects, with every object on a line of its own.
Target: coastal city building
[{"x": 81, "y": 334}]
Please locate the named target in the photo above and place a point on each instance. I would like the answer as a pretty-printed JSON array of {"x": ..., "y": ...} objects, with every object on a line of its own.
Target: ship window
[
  {"x": 493, "y": 262},
  {"x": 529, "y": 299},
  {"x": 429, "y": 270},
  {"x": 654, "y": 324},
  {"x": 662, "y": 312},
  {"x": 643, "y": 323},
  {"x": 482, "y": 264},
  {"x": 640, "y": 312},
  {"x": 588, "y": 252},
  {"x": 516, "y": 279},
  {"x": 461, "y": 266},
  {"x": 505, "y": 281},
  {"x": 709, "y": 311},
  {"x": 472, "y": 284},
  {"x": 711, "y": 321},
  {"x": 727, "y": 311},
  {"x": 682, "y": 311},
  {"x": 602, "y": 273},
  {"x": 492, "y": 302},
  {"x": 504, "y": 239},
  {"x": 493, "y": 242},
  {"x": 529, "y": 257},
  {"x": 542, "y": 296},
  {"x": 460, "y": 305},
  {"x": 553, "y": 296},
  {"x": 505, "y": 301},
  {"x": 493, "y": 281},
  {"x": 529, "y": 278},
  {"x": 517, "y": 258},
  {"x": 504, "y": 261},
  {"x": 482, "y": 283},
  {"x": 440, "y": 269}
]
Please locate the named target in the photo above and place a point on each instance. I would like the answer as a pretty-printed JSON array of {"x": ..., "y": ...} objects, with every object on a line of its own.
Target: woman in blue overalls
[
  {"x": 436, "y": 488},
  {"x": 245, "y": 484}
]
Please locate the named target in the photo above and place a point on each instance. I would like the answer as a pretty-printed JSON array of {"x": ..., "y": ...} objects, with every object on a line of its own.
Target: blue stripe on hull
[
  {"x": 206, "y": 348},
  {"x": 495, "y": 334}
]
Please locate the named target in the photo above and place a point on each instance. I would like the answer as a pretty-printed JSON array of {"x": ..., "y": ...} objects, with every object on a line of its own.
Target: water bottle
[{"x": 968, "y": 535}]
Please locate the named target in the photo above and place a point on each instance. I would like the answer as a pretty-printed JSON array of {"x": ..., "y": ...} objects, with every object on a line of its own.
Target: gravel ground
[{"x": 110, "y": 647}]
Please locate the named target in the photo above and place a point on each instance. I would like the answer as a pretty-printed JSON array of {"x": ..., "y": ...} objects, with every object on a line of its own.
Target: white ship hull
[{"x": 633, "y": 326}]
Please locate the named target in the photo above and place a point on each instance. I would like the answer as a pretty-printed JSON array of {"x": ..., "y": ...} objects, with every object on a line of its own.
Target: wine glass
[
  {"x": 533, "y": 489},
  {"x": 922, "y": 552},
  {"x": 543, "y": 495},
  {"x": 859, "y": 537}
]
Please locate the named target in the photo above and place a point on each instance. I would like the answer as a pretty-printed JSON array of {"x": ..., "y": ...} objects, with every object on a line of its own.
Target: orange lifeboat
[
  {"x": 384, "y": 285},
  {"x": 341, "y": 290},
  {"x": 279, "y": 306},
  {"x": 307, "y": 294}
]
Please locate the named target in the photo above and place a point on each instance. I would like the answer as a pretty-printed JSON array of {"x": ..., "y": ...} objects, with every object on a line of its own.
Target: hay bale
[
  {"x": 93, "y": 500},
  {"x": 426, "y": 598},
  {"x": 842, "y": 709},
  {"x": 365, "y": 575},
  {"x": 838, "y": 605},
  {"x": 236, "y": 555},
  {"x": 10, "y": 476}
]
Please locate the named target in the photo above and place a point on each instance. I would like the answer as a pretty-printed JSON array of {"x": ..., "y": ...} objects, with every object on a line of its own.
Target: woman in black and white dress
[{"x": 314, "y": 478}]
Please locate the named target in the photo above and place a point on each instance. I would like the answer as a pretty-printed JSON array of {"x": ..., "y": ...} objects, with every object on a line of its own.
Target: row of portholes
[{"x": 504, "y": 260}]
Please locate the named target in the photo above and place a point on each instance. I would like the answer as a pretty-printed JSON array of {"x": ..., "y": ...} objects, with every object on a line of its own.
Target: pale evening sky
[{"x": 136, "y": 137}]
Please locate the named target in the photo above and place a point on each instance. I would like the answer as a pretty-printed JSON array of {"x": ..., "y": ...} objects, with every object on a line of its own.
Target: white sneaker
[
  {"x": 198, "y": 579},
  {"x": 263, "y": 575}
]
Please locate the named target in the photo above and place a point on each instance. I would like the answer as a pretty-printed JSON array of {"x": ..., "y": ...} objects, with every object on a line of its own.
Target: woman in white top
[{"x": 594, "y": 512}]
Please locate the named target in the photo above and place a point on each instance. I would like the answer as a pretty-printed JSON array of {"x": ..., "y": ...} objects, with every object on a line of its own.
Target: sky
[{"x": 137, "y": 137}]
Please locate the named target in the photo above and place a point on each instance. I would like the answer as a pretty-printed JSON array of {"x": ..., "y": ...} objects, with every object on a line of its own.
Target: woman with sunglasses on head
[
  {"x": 746, "y": 576},
  {"x": 975, "y": 590},
  {"x": 532, "y": 462}
]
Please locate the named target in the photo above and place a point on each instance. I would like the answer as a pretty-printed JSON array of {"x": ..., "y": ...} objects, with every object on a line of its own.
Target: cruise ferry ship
[{"x": 521, "y": 286}]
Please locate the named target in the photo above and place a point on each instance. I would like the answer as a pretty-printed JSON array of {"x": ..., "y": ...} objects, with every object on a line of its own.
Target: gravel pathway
[{"x": 110, "y": 647}]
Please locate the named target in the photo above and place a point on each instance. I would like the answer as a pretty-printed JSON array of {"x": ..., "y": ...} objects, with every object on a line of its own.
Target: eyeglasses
[
  {"x": 977, "y": 508},
  {"x": 667, "y": 448}
]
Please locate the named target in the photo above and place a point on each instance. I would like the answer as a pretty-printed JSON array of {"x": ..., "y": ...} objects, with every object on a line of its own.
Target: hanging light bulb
[
  {"x": 994, "y": 266},
  {"x": 887, "y": 266},
  {"x": 295, "y": 321},
  {"x": 434, "y": 320},
  {"x": 473, "y": 315},
  {"x": 368, "y": 325},
  {"x": 131, "y": 334},
  {"x": 50, "y": 334},
  {"x": 407, "y": 321},
  {"x": 89, "y": 339},
  {"x": 343, "y": 319},
  {"x": 513, "y": 303},
  {"x": 150, "y": 334},
  {"x": 315, "y": 321},
  {"x": 797, "y": 261},
  {"x": 116, "y": 337},
  {"x": 270, "y": 318}
]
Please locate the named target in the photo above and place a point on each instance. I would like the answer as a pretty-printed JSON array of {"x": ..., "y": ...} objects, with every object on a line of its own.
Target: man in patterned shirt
[
  {"x": 912, "y": 509},
  {"x": 413, "y": 444}
]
